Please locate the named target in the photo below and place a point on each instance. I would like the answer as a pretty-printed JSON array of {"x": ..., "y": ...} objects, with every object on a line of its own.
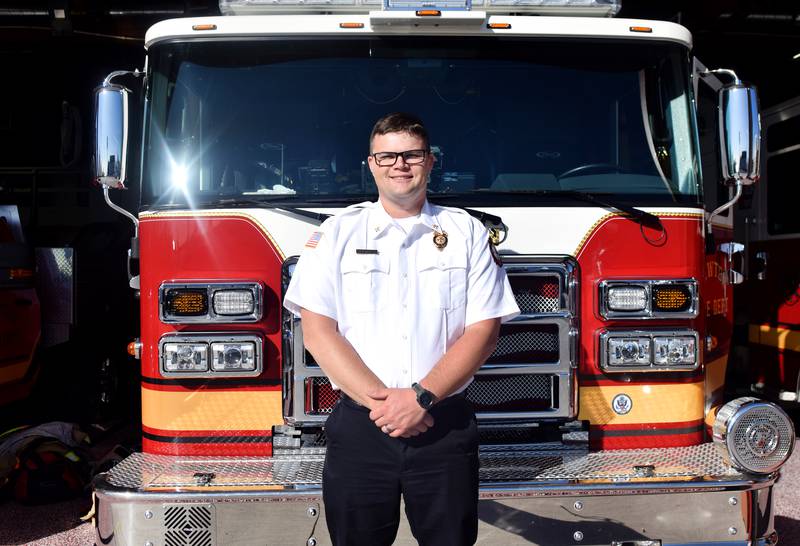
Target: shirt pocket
[
  {"x": 365, "y": 281},
  {"x": 442, "y": 280}
]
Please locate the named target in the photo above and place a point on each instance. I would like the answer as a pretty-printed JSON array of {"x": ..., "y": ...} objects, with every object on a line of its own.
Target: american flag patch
[{"x": 313, "y": 241}]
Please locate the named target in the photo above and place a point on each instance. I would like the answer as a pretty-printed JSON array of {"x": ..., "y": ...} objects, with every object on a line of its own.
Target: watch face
[{"x": 425, "y": 399}]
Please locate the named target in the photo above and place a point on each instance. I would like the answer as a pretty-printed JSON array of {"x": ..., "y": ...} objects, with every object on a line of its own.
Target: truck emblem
[{"x": 622, "y": 404}]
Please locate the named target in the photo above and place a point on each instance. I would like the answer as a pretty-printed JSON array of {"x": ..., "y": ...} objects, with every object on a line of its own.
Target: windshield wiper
[
  {"x": 316, "y": 217},
  {"x": 632, "y": 213}
]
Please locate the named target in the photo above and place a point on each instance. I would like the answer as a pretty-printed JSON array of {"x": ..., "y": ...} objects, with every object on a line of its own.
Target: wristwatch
[{"x": 425, "y": 398}]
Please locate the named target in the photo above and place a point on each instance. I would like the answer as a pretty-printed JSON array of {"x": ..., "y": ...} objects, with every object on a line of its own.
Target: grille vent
[
  {"x": 537, "y": 294},
  {"x": 320, "y": 396},
  {"x": 188, "y": 525},
  {"x": 512, "y": 392},
  {"x": 526, "y": 343}
]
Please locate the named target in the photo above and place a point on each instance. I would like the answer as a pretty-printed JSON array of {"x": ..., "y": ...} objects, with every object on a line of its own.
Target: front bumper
[{"x": 542, "y": 494}]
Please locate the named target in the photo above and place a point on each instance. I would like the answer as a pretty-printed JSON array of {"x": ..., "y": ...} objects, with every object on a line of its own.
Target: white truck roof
[{"x": 452, "y": 23}]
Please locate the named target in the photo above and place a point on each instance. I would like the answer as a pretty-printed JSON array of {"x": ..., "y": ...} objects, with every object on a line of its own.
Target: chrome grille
[{"x": 530, "y": 374}]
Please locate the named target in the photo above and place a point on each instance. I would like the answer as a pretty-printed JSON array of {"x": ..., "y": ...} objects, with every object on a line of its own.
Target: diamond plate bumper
[{"x": 542, "y": 494}]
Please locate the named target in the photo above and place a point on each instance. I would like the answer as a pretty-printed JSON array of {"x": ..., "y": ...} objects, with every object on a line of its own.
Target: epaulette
[{"x": 357, "y": 207}]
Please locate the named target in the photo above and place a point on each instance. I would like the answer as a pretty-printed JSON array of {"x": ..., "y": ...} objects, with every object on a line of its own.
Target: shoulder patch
[
  {"x": 313, "y": 241},
  {"x": 495, "y": 255}
]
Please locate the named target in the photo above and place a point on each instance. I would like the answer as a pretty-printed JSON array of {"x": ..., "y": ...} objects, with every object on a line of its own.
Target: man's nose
[{"x": 398, "y": 164}]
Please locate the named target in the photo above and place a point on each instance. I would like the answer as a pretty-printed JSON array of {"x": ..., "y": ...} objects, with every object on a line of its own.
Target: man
[{"x": 401, "y": 302}]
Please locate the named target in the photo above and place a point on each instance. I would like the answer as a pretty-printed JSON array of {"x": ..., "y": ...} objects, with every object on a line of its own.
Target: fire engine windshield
[{"x": 289, "y": 120}]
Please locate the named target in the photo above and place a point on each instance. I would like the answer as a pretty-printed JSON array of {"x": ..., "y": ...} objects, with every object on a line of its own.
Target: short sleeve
[
  {"x": 312, "y": 284},
  {"x": 489, "y": 293}
]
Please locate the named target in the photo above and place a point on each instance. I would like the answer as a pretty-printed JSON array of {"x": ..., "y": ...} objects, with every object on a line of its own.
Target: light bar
[
  {"x": 649, "y": 351},
  {"x": 578, "y": 8}
]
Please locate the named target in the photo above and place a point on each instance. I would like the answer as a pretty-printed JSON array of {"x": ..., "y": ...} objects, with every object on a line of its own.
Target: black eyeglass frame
[{"x": 383, "y": 163}]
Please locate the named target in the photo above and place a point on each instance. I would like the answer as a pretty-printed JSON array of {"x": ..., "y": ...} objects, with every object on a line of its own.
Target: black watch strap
[{"x": 425, "y": 398}]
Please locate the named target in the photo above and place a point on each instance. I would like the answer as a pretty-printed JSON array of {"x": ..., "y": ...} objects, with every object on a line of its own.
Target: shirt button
[{"x": 405, "y": 336}]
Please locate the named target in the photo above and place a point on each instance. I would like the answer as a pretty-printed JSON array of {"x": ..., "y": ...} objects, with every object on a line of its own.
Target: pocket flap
[{"x": 364, "y": 263}]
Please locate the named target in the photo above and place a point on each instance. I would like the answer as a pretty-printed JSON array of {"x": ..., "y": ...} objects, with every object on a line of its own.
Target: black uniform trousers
[{"x": 436, "y": 472}]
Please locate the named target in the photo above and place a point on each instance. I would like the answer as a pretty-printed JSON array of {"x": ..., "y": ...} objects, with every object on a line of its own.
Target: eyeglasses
[{"x": 410, "y": 157}]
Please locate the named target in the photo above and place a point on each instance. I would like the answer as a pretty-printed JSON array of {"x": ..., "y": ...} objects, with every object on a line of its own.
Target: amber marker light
[
  {"x": 641, "y": 29},
  {"x": 351, "y": 25},
  {"x": 499, "y": 25},
  {"x": 135, "y": 348},
  {"x": 183, "y": 302},
  {"x": 20, "y": 273},
  {"x": 204, "y": 27},
  {"x": 429, "y": 13},
  {"x": 671, "y": 298}
]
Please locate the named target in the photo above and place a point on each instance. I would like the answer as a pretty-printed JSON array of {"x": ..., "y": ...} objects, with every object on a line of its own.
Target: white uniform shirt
[{"x": 399, "y": 300}]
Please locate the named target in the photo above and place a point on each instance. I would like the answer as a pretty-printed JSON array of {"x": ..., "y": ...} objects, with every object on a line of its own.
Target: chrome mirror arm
[
  {"x": 135, "y": 72},
  {"x": 726, "y": 206}
]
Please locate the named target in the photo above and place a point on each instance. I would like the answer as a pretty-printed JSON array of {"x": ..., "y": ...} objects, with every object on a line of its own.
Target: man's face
[{"x": 400, "y": 185}]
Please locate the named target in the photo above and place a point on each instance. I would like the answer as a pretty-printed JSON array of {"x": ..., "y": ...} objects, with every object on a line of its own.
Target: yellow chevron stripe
[
  {"x": 775, "y": 336},
  {"x": 651, "y": 404},
  {"x": 211, "y": 410}
]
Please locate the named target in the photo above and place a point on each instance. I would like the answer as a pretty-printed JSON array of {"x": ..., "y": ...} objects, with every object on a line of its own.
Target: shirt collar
[{"x": 379, "y": 220}]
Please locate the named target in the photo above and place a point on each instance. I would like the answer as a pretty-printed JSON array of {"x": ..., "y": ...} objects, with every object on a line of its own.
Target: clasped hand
[{"x": 397, "y": 413}]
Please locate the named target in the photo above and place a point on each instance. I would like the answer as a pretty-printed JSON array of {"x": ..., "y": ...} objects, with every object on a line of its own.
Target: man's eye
[
  {"x": 387, "y": 155},
  {"x": 414, "y": 155}
]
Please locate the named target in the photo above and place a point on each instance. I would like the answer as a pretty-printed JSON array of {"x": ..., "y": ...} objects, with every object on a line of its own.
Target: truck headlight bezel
[
  {"x": 612, "y": 340},
  {"x": 654, "y": 290},
  {"x": 205, "y": 342},
  {"x": 205, "y": 302}
]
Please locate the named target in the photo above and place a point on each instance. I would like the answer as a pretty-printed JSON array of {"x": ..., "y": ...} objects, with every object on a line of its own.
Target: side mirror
[
  {"x": 111, "y": 135},
  {"x": 740, "y": 130}
]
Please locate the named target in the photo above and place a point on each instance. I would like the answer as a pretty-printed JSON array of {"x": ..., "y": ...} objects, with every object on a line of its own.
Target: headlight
[
  {"x": 754, "y": 436},
  {"x": 184, "y": 303},
  {"x": 239, "y": 356},
  {"x": 205, "y": 355},
  {"x": 648, "y": 351},
  {"x": 648, "y": 299},
  {"x": 629, "y": 351},
  {"x": 674, "y": 351},
  {"x": 185, "y": 357}
]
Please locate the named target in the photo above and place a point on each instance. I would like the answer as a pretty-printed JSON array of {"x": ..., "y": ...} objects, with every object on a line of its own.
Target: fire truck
[
  {"x": 605, "y": 162},
  {"x": 768, "y": 321}
]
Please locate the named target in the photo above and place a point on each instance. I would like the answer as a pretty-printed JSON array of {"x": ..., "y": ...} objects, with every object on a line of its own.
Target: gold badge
[{"x": 439, "y": 238}]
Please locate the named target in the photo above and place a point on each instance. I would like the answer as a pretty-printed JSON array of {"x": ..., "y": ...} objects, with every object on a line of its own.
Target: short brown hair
[{"x": 399, "y": 122}]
